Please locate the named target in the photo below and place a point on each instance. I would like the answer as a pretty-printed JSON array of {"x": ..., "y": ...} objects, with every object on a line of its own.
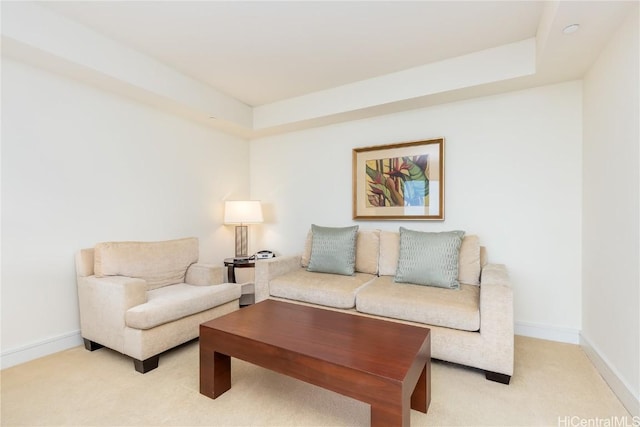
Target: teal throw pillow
[
  {"x": 333, "y": 250},
  {"x": 429, "y": 259}
]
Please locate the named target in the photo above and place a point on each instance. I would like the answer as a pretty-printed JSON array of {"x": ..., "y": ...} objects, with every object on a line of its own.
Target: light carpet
[{"x": 554, "y": 385}]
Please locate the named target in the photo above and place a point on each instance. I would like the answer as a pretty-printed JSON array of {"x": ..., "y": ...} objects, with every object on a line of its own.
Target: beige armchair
[{"x": 143, "y": 298}]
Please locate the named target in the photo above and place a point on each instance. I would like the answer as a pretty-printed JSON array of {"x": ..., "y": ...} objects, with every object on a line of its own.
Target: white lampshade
[{"x": 242, "y": 211}]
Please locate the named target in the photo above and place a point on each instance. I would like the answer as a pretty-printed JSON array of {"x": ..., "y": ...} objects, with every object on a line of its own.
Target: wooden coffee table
[{"x": 385, "y": 364}]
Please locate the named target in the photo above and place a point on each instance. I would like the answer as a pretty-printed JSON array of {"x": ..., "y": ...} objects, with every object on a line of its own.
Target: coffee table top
[{"x": 384, "y": 348}]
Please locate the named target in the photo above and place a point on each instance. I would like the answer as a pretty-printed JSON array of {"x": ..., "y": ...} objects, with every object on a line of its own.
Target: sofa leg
[
  {"x": 499, "y": 378},
  {"x": 91, "y": 346},
  {"x": 144, "y": 366}
]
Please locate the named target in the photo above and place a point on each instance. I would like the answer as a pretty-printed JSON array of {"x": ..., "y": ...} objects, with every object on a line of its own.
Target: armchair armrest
[
  {"x": 268, "y": 269},
  {"x": 496, "y": 317},
  {"x": 103, "y": 303},
  {"x": 205, "y": 274}
]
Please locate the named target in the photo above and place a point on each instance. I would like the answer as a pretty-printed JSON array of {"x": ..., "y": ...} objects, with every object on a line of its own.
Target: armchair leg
[
  {"x": 499, "y": 378},
  {"x": 91, "y": 345},
  {"x": 144, "y": 366}
]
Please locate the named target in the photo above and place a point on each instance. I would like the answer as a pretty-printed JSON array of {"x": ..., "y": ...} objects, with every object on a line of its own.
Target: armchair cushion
[
  {"x": 158, "y": 263},
  {"x": 174, "y": 302}
]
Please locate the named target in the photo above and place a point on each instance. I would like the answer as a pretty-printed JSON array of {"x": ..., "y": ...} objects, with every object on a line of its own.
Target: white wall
[
  {"x": 513, "y": 176},
  {"x": 79, "y": 166},
  {"x": 611, "y": 232}
]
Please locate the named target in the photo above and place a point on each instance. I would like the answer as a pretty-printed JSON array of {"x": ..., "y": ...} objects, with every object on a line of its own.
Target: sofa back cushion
[
  {"x": 367, "y": 251},
  {"x": 158, "y": 263},
  {"x": 389, "y": 252},
  {"x": 470, "y": 266},
  {"x": 469, "y": 260}
]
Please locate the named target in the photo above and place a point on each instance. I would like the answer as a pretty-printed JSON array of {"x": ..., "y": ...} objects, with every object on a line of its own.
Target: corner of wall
[{"x": 619, "y": 386}]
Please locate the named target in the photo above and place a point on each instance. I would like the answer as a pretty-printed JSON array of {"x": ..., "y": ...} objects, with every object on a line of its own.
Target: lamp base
[{"x": 242, "y": 231}]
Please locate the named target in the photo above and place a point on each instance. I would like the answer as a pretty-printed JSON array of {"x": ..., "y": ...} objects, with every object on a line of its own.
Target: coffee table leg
[
  {"x": 390, "y": 415},
  {"x": 421, "y": 396},
  {"x": 215, "y": 373}
]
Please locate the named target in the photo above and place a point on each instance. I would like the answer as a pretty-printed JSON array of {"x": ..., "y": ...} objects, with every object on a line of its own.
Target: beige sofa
[
  {"x": 471, "y": 326},
  {"x": 143, "y": 298}
]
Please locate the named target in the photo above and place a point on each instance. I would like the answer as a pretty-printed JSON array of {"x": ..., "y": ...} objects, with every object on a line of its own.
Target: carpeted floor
[{"x": 554, "y": 385}]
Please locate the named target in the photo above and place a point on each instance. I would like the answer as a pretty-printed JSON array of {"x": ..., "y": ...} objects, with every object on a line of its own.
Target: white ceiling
[
  {"x": 261, "y": 52},
  {"x": 266, "y": 66}
]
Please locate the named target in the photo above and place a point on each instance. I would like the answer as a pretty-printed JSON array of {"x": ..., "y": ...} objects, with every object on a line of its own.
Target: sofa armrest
[
  {"x": 205, "y": 274},
  {"x": 103, "y": 303},
  {"x": 496, "y": 317},
  {"x": 268, "y": 269}
]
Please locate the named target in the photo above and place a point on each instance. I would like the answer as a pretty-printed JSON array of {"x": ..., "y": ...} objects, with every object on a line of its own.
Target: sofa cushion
[
  {"x": 176, "y": 301},
  {"x": 158, "y": 263},
  {"x": 429, "y": 258},
  {"x": 469, "y": 263},
  {"x": 389, "y": 252},
  {"x": 422, "y": 304},
  {"x": 367, "y": 251},
  {"x": 330, "y": 290},
  {"x": 333, "y": 250}
]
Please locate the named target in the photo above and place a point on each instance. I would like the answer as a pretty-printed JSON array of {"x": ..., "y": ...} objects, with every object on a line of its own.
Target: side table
[{"x": 248, "y": 289}]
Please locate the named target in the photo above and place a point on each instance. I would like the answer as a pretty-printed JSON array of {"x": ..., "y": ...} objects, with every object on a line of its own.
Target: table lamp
[{"x": 242, "y": 212}]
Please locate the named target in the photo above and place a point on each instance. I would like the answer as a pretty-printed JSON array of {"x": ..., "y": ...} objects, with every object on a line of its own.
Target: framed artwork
[{"x": 399, "y": 181}]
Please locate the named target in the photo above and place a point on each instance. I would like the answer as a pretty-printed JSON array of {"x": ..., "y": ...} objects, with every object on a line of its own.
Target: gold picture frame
[{"x": 403, "y": 181}]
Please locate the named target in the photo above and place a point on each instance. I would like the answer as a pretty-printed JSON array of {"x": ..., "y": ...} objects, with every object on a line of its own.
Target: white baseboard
[
  {"x": 551, "y": 333},
  {"x": 39, "y": 349},
  {"x": 72, "y": 339},
  {"x": 619, "y": 386}
]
